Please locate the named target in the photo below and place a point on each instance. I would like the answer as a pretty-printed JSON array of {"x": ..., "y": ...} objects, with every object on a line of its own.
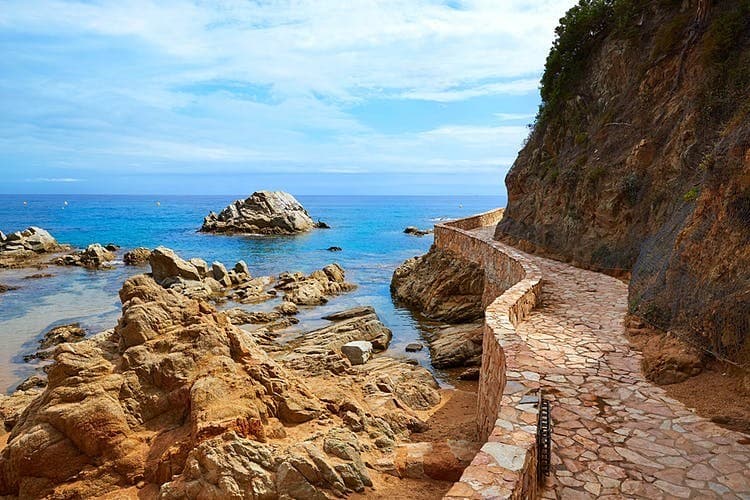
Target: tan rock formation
[
  {"x": 177, "y": 400},
  {"x": 265, "y": 212},
  {"x": 313, "y": 290},
  {"x": 129, "y": 405},
  {"x": 440, "y": 286}
]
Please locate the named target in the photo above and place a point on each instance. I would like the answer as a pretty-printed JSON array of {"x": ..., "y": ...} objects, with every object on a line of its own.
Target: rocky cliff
[{"x": 639, "y": 161}]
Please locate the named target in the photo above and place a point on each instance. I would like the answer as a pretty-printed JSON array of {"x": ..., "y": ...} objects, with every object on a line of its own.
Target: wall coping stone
[{"x": 505, "y": 466}]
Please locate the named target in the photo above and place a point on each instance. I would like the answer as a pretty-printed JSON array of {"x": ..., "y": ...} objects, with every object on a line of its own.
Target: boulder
[
  {"x": 39, "y": 240},
  {"x": 334, "y": 249},
  {"x": 441, "y": 286},
  {"x": 414, "y": 347},
  {"x": 357, "y": 352},
  {"x": 165, "y": 264},
  {"x": 95, "y": 256},
  {"x": 137, "y": 257},
  {"x": 241, "y": 268},
  {"x": 201, "y": 266},
  {"x": 314, "y": 289},
  {"x": 456, "y": 345},
  {"x": 220, "y": 273},
  {"x": 287, "y": 308},
  {"x": 415, "y": 231},
  {"x": 265, "y": 212},
  {"x": 21, "y": 248}
]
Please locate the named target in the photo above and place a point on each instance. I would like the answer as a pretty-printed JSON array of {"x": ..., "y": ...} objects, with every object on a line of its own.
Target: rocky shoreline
[{"x": 180, "y": 394}]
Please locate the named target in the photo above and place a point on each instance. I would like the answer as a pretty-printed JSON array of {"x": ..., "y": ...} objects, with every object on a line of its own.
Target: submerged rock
[
  {"x": 414, "y": 347},
  {"x": 415, "y": 231},
  {"x": 265, "y": 212}
]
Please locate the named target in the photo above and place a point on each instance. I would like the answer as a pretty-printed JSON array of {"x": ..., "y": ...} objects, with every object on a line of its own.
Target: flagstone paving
[{"x": 616, "y": 435}]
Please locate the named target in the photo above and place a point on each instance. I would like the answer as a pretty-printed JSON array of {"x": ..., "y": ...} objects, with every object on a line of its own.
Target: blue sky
[{"x": 227, "y": 97}]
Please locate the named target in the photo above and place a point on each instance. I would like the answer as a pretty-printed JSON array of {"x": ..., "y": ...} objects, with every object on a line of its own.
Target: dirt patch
[
  {"x": 387, "y": 487},
  {"x": 455, "y": 418},
  {"x": 716, "y": 390},
  {"x": 721, "y": 393}
]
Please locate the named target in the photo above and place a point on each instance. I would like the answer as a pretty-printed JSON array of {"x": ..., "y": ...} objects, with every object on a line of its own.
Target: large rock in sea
[{"x": 265, "y": 212}]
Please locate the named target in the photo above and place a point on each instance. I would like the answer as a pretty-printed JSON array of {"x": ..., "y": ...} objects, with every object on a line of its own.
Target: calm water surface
[{"x": 369, "y": 229}]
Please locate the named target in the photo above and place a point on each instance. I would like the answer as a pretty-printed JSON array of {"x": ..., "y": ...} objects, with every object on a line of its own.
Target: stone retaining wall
[{"x": 505, "y": 467}]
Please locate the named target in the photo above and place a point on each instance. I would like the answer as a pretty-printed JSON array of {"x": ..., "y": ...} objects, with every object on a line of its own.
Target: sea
[{"x": 368, "y": 229}]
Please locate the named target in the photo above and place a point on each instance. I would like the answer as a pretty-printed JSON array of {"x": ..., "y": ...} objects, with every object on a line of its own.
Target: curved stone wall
[{"x": 505, "y": 467}]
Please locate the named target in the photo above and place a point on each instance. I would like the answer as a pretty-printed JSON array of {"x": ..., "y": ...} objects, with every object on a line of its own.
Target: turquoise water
[{"x": 368, "y": 229}]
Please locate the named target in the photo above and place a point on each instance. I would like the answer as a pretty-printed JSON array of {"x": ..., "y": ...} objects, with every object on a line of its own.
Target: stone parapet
[{"x": 505, "y": 467}]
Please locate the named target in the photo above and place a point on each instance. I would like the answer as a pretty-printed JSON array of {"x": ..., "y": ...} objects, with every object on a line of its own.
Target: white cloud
[
  {"x": 340, "y": 49},
  {"x": 157, "y": 85},
  {"x": 63, "y": 180}
]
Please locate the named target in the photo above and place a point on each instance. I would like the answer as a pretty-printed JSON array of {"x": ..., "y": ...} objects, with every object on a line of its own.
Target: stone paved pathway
[{"x": 616, "y": 435}]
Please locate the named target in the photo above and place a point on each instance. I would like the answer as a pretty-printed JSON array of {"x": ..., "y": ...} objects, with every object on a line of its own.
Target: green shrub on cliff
[{"x": 575, "y": 38}]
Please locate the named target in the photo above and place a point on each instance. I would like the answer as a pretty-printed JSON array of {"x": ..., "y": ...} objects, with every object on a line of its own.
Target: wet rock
[
  {"x": 357, "y": 352},
  {"x": 38, "y": 276},
  {"x": 322, "y": 225},
  {"x": 334, "y": 249},
  {"x": 112, "y": 247},
  {"x": 56, "y": 336},
  {"x": 6, "y": 288},
  {"x": 33, "y": 382},
  {"x": 137, "y": 257},
  {"x": 471, "y": 373},
  {"x": 287, "y": 308},
  {"x": 415, "y": 231},
  {"x": 93, "y": 256},
  {"x": 265, "y": 212},
  {"x": 414, "y": 347}
]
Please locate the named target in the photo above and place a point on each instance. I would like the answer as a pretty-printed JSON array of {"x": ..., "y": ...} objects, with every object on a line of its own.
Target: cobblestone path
[{"x": 616, "y": 435}]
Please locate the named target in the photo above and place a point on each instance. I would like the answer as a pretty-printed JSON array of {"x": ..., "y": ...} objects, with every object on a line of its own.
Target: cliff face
[{"x": 640, "y": 160}]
